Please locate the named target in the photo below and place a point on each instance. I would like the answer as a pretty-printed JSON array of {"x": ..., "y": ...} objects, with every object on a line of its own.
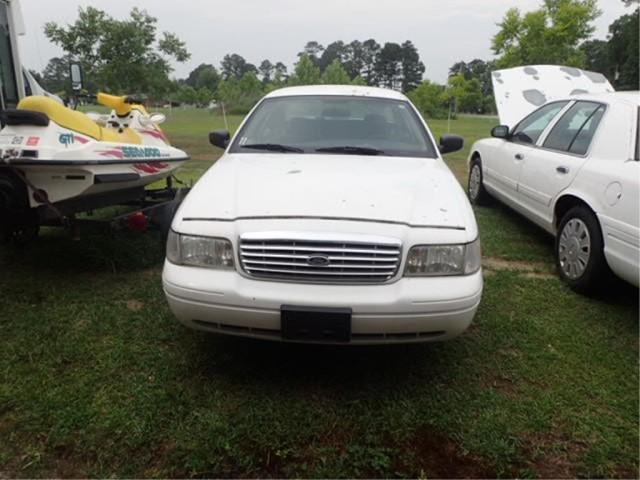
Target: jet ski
[{"x": 56, "y": 162}]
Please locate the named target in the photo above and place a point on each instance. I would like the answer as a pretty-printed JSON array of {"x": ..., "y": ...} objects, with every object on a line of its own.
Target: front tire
[
  {"x": 580, "y": 251},
  {"x": 478, "y": 195}
]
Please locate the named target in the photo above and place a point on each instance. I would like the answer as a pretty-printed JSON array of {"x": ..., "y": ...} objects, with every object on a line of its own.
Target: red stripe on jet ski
[
  {"x": 112, "y": 153},
  {"x": 151, "y": 168},
  {"x": 155, "y": 134}
]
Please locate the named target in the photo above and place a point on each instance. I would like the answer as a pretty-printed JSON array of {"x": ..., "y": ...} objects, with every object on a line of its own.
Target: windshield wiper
[
  {"x": 352, "y": 150},
  {"x": 273, "y": 147}
]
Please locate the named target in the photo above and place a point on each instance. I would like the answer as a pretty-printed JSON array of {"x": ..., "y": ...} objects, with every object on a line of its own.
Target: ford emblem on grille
[{"x": 318, "y": 260}]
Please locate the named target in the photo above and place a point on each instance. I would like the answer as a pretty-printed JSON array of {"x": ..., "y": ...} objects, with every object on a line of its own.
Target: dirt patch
[
  {"x": 152, "y": 272},
  {"x": 530, "y": 270},
  {"x": 553, "y": 454},
  {"x": 539, "y": 276},
  {"x": 164, "y": 450},
  {"x": 440, "y": 457},
  {"x": 67, "y": 466},
  {"x": 497, "y": 264},
  {"x": 488, "y": 273},
  {"x": 505, "y": 385},
  {"x": 57, "y": 462},
  {"x": 510, "y": 352},
  {"x": 135, "y": 305}
]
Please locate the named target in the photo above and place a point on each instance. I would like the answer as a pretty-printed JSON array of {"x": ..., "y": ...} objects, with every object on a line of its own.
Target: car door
[
  {"x": 550, "y": 169},
  {"x": 619, "y": 192},
  {"x": 503, "y": 168}
]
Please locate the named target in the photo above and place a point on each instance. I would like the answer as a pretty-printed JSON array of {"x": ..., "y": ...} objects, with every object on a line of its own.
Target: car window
[
  {"x": 312, "y": 122},
  {"x": 575, "y": 130},
  {"x": 530, "y": 129}
]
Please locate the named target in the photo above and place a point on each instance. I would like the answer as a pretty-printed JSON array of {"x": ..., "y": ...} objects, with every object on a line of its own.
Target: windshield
[{"x": 335, "y": 124}]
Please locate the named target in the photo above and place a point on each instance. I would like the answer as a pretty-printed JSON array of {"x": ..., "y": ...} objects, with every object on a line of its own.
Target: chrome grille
[{"x": 320, "y": 259}]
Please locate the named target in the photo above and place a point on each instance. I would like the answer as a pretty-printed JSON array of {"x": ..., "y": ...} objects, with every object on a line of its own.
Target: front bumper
[{"x": 408, "y": 310}]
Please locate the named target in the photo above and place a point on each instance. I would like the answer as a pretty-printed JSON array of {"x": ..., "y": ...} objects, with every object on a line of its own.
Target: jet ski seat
[{"x": 77, "y": 121}]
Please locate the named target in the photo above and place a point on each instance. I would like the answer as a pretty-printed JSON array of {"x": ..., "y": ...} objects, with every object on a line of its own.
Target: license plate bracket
[{"x": 318, "y": 324}]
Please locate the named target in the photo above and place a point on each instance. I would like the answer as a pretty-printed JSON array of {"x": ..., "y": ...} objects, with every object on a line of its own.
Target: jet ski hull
[
  {"x": 48, "y": 172},
  {"x": 62, "y": 180}
]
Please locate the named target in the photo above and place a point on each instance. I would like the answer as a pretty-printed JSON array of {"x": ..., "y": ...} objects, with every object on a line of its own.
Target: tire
[
  {"x": 580, "y": 251},
  {"x": 478, "y": 195}
]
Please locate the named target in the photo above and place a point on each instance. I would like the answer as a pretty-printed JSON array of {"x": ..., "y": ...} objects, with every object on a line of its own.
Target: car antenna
[
  {"x": 451, "y": 104},
  {"x": 224, "y": 116}
]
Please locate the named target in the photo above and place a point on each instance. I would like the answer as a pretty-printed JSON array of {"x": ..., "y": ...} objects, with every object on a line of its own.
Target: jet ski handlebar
[
  {"x": 134, "y": 100},
  {"x": 121, "y": 104}
]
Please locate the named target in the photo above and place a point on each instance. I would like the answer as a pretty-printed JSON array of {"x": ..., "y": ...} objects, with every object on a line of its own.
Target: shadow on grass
[
  {"x": 94, "y": 250},
  {"x": 347, "y": 368},
  {"x": 617, "y": 292},
  {"x": 523, "y": 224},
  {"x": 507, "y": 234}
]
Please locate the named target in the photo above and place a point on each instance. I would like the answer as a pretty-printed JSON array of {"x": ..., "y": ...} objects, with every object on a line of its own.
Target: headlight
[
  {"x": 197, "y": 251},
  {"x": 438, "y": 260}
]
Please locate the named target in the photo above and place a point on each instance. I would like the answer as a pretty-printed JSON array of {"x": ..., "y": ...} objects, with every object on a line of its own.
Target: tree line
[
  {"x": 131, "y": 56},
  {"x": 239, "y": 83}
]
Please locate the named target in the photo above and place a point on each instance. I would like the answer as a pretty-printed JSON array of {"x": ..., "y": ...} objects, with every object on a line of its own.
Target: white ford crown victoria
[
  {"x": 331, "y": 217},
  {"x": 572, "y": 166}
]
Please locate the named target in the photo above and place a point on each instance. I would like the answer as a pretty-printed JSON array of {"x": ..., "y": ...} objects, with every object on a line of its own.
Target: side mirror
[
  {"x": 220, "y": 138},
  {"x": 451, "y": 143},
  {"x": 75, "y": 72},
  {"x": 501, "y": 131}
]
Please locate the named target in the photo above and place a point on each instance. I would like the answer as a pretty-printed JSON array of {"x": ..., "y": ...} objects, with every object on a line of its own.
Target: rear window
[{"x": 575, "y": 130}]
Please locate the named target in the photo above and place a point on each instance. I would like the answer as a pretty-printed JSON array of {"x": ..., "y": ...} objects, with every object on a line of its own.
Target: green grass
[
  {"x": 98, "y": 379},
  {"x": 189, "y": 130}
]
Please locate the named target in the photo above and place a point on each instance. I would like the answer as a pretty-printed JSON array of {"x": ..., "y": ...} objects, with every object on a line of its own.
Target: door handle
[
  {"x": 519, "y": 156},
  {"x": 562, "y": 170}
]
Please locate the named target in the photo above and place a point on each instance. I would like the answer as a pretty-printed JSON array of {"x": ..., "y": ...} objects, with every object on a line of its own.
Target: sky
[{"x": 444, "y": 31}]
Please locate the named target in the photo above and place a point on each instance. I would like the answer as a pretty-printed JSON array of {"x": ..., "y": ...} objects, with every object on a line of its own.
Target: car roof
[
  {"x": 632, "y": 98},
  {"x": 339, "y": 90}
]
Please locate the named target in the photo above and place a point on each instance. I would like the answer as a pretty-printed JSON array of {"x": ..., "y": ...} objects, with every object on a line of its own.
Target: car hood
[
  {"x": 519, "y": 91},
  {"x": 412, "y": 191}
]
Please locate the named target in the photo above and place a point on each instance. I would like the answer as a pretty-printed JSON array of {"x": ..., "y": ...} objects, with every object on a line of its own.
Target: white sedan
[
  {"x": 331, "y": 218},
  {"x": 572, "y": 167}
]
